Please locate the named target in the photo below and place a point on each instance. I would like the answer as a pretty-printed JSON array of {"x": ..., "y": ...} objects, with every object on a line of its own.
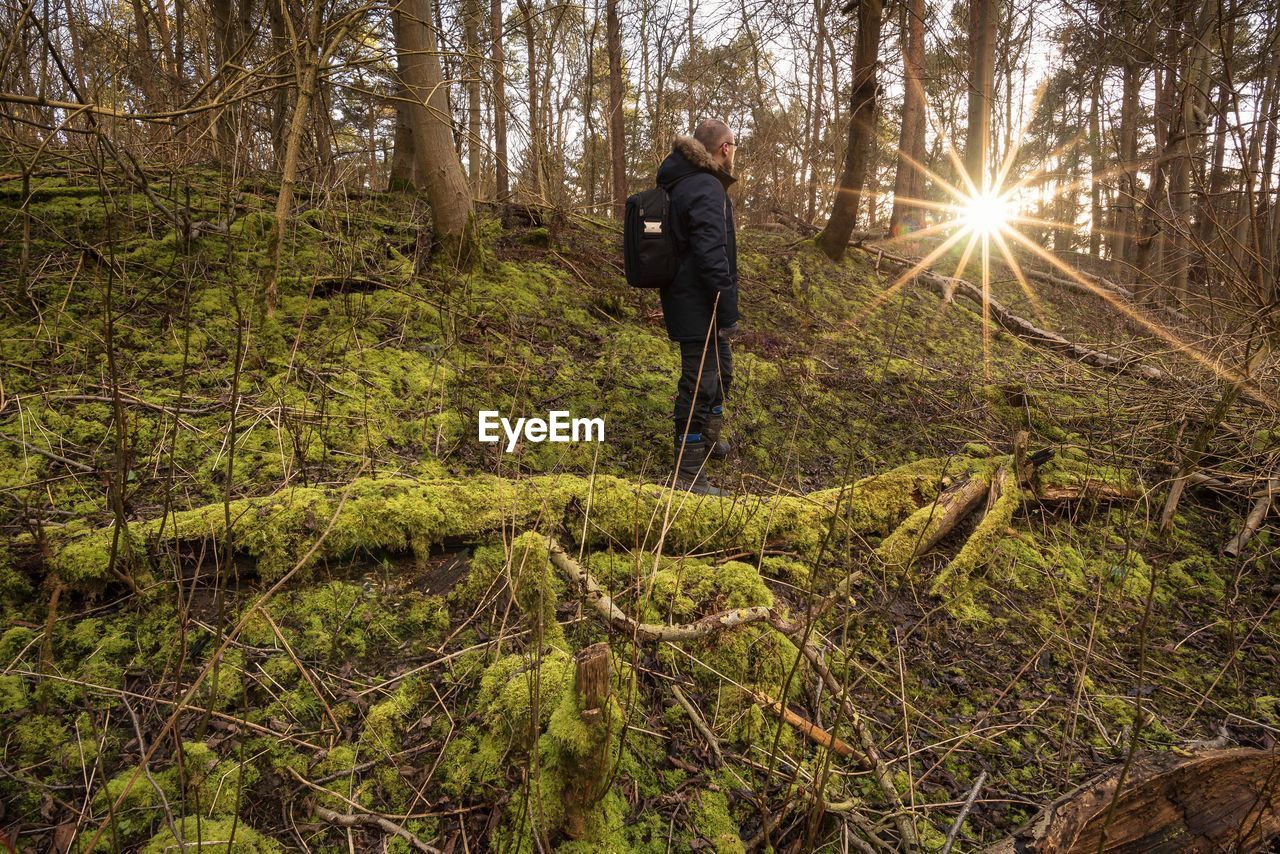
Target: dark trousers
[{"x": 698, "y": 393}]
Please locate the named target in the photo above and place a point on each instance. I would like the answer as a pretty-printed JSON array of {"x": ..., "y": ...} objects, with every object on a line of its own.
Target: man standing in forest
[{"x": 700, "y": 306}]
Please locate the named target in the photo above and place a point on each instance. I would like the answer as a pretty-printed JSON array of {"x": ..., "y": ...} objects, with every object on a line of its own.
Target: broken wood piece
[
  {"x": 808, "y": 728},
  {"x": 1257, "y": 515},
  {"x": 926, "y": 527},
  {"x": 1221, "y": 800},
  {"x": 1022, "y": 328}
]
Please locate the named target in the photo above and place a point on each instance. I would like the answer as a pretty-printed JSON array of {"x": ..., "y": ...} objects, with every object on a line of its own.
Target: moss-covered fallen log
[{"x": 401, "y": 515}]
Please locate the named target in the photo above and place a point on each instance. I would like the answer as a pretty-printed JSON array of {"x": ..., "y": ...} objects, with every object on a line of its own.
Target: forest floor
[{"x": 324, "y": 623}]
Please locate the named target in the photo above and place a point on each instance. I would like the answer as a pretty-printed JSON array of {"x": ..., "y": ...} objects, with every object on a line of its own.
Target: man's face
[{"x": 724, "y": 153}]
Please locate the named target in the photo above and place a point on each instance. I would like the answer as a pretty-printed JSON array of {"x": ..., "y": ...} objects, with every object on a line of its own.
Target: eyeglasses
[{"x": 730, "y": 144}]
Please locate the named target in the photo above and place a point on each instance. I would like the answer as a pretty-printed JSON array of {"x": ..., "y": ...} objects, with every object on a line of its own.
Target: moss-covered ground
[{"x": 171, "y": 453}]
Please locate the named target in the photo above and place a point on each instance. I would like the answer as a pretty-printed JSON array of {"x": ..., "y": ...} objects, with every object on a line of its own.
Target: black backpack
[{"x": 648, "y": 247}]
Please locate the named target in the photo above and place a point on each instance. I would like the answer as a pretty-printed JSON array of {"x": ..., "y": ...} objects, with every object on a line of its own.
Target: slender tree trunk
[
  {"x": 473, "y": 18},
  {"x": 806, "y": 176},
  {"x": 1191, "y": 129},
  {"x": 535, "y": 113},
  {"x": 983, "y": 18},
  {"x": 692, "y": 71},
  {"x": 439, "y": 170},
  {"x": 617, "y": 148},
  {"x": 310, "y": 72},
  {"x": 1131, "y": 84},
  {"x": 835, "y": 237},
  {"x": 1095, "y": 167},
  {"x": 146, "y": 60},
  {"x": 591, "y": 152},
  {"x": 1210, "y": 214},
  {"x": 909, "y": 181},
  {"x": 404, "y": 160},
  {"x": 502, "y": 185},
  {"x": 1149, "y": 224},
  {"x": 225, "y": 42},
  {"x": 280, "y": 97}
]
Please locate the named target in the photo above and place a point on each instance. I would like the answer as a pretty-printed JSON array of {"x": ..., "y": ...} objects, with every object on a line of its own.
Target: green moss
[
  {"x": 216, "y": 785},
  {"x": 13, "y": 695},
  {"x": 385, "y": 720},
  {"x": 221, "y": 834},
  {"x": 715, "y": 823},
  {"x": 391, "y": 514},
  {"x": 536, "y": 586}
]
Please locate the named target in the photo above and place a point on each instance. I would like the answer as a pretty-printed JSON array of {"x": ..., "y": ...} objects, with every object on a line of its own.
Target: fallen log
[
  {"x": 1023, "y": 328},
  {"x": 1221, "y": 800}
]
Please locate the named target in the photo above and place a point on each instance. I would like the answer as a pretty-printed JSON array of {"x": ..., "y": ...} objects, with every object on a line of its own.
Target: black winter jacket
[{"x": 702, "y": 224}]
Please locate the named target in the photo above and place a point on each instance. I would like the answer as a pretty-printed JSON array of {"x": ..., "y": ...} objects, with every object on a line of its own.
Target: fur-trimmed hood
[{"x": 688, "y": 155}]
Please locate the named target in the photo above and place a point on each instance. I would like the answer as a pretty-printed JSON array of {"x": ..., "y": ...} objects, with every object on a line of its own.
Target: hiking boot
[
  {"x": 689, "y": 464},
  {"x": 711, "y": 432}
]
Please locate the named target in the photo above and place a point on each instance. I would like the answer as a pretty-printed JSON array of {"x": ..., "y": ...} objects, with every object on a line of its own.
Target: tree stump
[{"x": 593, "y": 681}]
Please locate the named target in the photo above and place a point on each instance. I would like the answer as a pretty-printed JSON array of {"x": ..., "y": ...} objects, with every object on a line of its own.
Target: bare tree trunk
[
  {"x": 1095, "y": 167},
  {"x": 1193, "y": 125},
  {"x": 535, "y": 114},
  {"x": 1148, "y": 229},
  {"x": 983, "y": 17},
  {"x": 835, "y": 237},
  {"x": 617, "y": 149},
  {"x": 502, "y": 186},
  {"x": 820, "y": 9},
  {"x": 691, "y": 73},
  {"x": 591, "y": 159},
  {"x": 280, "y": 97},
  {"x": 472, "y": 17},
  {"x": 225, "y": 42},
  {"x": 307, "y": 50},
  {"x": 146, "y": 61},
  {"x": 439, "y": 169},
  {"x": 909, "y": 182},
  {"x": 1131, "y": 85}
]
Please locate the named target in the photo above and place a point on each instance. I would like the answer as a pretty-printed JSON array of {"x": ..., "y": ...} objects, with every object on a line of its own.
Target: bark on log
[{"x": 1221, "y": 800}]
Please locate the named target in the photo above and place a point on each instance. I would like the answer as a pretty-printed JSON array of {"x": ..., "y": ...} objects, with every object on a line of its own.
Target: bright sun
[{"x": 986, "y": 213}]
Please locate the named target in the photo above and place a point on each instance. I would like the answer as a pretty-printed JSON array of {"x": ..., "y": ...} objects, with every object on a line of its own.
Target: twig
[
  {"x": 650, "y": 631},
  {"x": 809, "y": 729},
  {"x": 50, "y": 454},
  {"x": 699, "y": 722},
  {"x": 384, "y": 824},
  {"x": 964, "y": 812}
]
